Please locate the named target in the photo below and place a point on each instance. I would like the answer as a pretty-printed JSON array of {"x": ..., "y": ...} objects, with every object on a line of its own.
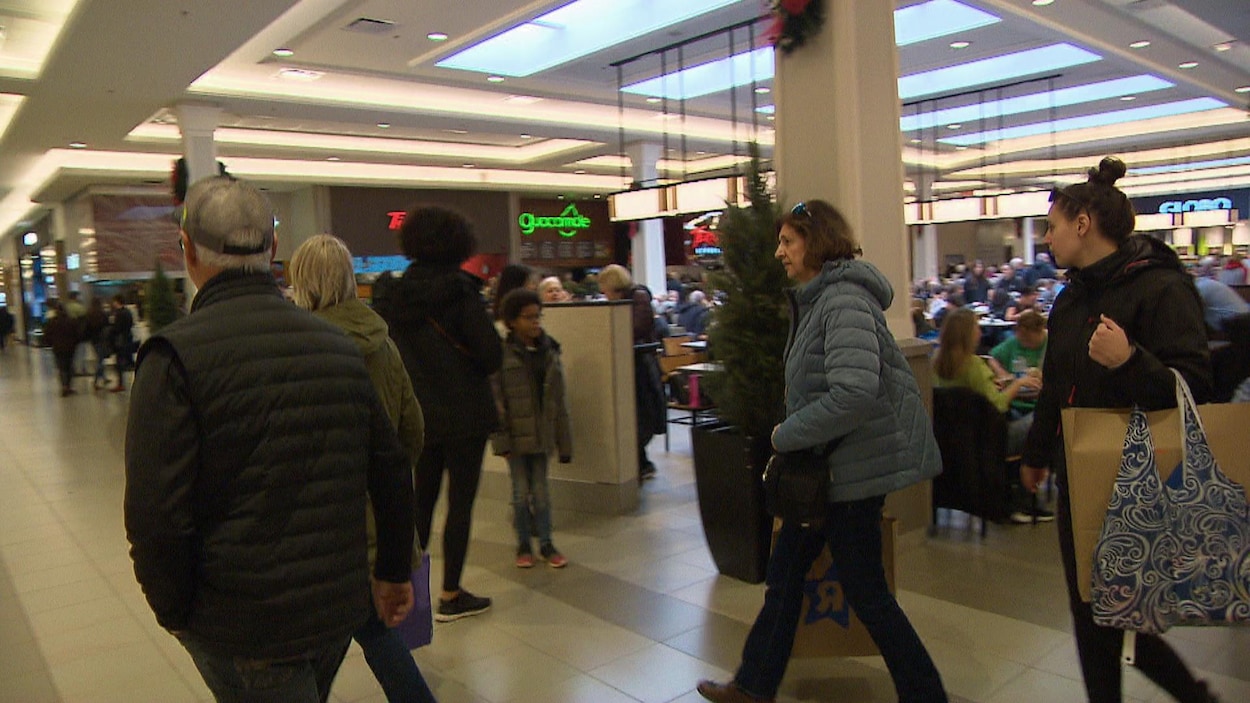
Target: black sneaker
[
  {"x": 1042, "y": 515},
  {"x": 462, "y": 606},
  {"x": 647, "y": 471}
]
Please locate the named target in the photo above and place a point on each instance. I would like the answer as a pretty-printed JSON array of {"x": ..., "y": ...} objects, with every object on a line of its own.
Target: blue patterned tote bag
[{"x": 1175, "y": 553}]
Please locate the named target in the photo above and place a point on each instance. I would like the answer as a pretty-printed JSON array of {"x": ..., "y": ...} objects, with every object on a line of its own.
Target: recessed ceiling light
[
  {"x": 437, "y": 36},
  {"x": 960, "y": 44},
  {"x": 522, "y": 99},
  {"x": 1223, "y": 46},
  {"x": 495, "y": 79},
  {"x": 527, "y": 136},
  {"x": 654, "y": 100},
  {"x": 78, "y": 145},
  {"x": 333, "y": 158},
  {"x": 772, "y": 118},
  {"x": 916, "y": 141},
  {"x": 1188, "y": 65},
  {"x": 384, "y": 125},
  {"x": 468, "y": 165},
  {"x": 597, "y": 196},
  {"x": 1242, "y": 89},
  {"x": 954, "y": 126},
  {"x": 456, "y": 131},
  {"x": 763, "y": 90},
  {"x": 1043, "y": 3},
  {"x": 961, "y": 148},
  {"x": 700, "y": 153},
  {"x": 283, "y": 53},
  {"x": 1139, "y": 44},
  {"x": 1128, "y": 98},
  {"x": 580, "y": 171},
  {"x": 299, "y": 74}
]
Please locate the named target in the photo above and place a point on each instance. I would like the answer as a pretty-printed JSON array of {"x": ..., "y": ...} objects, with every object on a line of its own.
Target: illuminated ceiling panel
[
  {"x": 992, "y": 109},
  {"x": 1103, "y": 119},
  {"x": 573, "y": 31},
  {"x": 708, "y": 78},
  {"x": 997, "y": 69},
  {"x": 937, "y": 18}
]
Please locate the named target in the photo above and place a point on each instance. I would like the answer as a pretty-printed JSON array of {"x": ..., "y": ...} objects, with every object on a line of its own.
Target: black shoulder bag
[{"x": 796, "y": 484}]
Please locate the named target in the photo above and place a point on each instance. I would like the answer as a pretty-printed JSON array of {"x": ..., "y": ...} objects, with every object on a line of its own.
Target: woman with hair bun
[{"x": 1128, "y": 315}]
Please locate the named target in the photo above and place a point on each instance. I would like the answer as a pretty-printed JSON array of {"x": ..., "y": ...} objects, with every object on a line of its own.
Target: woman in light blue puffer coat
[{"x": 848, "y": 389}]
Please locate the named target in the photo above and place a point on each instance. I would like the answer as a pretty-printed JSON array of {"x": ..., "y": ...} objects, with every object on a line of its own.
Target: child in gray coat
[{"x": 533, "y": 419}]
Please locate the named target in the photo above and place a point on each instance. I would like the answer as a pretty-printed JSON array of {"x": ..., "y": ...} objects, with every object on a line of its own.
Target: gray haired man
[{"x": 253, "y": 441}]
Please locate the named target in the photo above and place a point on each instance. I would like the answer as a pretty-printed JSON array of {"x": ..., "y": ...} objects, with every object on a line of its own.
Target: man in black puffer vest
[{"x": 254, "y": 433}]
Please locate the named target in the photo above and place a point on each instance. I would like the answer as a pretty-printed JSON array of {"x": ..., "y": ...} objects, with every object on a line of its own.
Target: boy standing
[{"x": 534, "y": 421}]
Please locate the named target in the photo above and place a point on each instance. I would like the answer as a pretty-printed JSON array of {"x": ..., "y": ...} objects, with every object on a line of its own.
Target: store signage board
[
  {"x": 1169, "y": 207},
  {"x": 560, "y": 233},
  {"x": 567, "y": 224}
]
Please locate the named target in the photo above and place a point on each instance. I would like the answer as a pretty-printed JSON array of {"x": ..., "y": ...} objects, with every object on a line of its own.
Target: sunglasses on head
[{"x": 800, "y": 209}]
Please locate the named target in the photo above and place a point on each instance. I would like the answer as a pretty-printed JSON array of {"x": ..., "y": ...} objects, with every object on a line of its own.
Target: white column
[
  {"x": 197, "y": 123},
  {"x": 648, "y": 245},
  {"x": 925, "y": 250},
  {"x": 838, "y": 137},
  {"x": 1029, "y": 235}
]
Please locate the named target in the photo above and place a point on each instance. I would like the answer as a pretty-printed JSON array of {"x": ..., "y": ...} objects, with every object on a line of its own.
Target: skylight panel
[
  {"x": 937, "y": 18},
  {"x": 711, "y": 77},
  {"x": 1076, "y": 95},
  {"x": 573, "y": 31},
  {"x": 997, "y": 69},
  {"x": 1192, "y": 166},
  {"x": 1102, "y": 119}
]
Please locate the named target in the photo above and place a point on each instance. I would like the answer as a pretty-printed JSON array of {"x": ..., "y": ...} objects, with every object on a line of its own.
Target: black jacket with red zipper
[{"x": 1145, "y": 289}]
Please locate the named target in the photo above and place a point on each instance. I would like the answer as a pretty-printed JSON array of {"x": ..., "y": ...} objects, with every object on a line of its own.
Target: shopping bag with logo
[
  {"x": 1174, "y": 553},
  {"x": 417, "y": 630}
]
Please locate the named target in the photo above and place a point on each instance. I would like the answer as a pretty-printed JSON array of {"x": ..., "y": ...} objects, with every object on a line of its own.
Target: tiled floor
[{"x": 639, "y": 615}]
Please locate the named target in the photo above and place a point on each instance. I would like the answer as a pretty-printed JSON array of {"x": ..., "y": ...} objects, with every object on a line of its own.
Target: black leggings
[
  {"x": 1099, "y": 648},
  {"x": 462, "y": 460}
]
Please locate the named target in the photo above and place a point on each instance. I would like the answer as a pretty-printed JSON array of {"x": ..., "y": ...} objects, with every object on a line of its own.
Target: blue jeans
[
  {"x": 392, "y": 663},
  {"x": 302, "y": 679},
  {"x": 853, "y": 533},
  {"x": 529, "y": 494}
]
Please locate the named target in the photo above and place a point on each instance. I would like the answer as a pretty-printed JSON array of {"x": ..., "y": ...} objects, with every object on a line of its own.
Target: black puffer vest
[{"x": 284, "y": 411}]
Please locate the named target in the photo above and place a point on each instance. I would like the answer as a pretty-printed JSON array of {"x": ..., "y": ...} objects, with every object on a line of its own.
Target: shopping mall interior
[{"x": 634, "y": 121}]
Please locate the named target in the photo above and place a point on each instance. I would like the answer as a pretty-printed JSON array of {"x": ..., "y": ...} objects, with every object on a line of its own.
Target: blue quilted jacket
[{"x": 848, "y": 382}]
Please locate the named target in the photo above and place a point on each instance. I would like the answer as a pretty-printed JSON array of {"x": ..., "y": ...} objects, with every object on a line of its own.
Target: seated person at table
[
  {"x": 1000, "y": 303},
  {"x": 954, "y": 301},
  {"x": 957, "y": 365},
  {"x": 1027, "y": 300},
  {"x": 1021, "y": 355}
]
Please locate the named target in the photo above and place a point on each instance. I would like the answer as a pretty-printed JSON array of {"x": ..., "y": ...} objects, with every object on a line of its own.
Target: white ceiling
[{"x": 110, "y": 73}]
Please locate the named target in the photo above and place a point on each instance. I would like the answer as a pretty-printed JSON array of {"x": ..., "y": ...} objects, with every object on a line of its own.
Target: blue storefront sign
[{"x": 1231, "y": 199}]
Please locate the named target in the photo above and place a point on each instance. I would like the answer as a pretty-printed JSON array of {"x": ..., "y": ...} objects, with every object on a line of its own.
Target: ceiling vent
[{"x": 369, "y": 25}]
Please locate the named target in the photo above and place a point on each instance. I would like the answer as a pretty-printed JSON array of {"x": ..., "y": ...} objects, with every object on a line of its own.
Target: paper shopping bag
[
  {"x": 1093, "y": 442},
  {"x": 827, "y": 625}
]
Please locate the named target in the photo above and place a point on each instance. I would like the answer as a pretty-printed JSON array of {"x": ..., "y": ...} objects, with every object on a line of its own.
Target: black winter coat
[
  {"x": 1143, "y": 287},
  {"x": 450, "y": 348},
  {"x": 254, "y": 431}
]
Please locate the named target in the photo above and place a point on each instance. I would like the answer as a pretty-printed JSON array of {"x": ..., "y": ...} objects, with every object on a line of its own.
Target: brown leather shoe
[{"x": 727, "y": 693}]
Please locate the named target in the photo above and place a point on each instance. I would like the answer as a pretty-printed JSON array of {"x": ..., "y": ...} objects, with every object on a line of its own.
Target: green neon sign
[{"x": 566, "y": 224}]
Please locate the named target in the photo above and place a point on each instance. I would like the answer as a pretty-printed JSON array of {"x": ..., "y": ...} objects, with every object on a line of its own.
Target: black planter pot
[{"x": 727, "y": 471}]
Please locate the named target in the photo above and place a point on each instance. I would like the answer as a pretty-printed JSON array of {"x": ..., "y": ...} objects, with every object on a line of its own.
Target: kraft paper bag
[
  {"x": 827, "y": 625},
  {"x": 1093, "y": 441}
]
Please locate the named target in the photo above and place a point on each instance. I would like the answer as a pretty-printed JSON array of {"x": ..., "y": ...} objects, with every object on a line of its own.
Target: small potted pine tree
[{"x": 748, "y": 338}]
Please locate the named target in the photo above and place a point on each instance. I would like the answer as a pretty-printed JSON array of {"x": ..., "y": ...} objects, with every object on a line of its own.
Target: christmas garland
[{"x": 794, "y": 21}]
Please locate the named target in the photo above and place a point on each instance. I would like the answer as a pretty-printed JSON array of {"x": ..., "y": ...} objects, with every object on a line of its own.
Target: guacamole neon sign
[{"x": 566, "y": 224}]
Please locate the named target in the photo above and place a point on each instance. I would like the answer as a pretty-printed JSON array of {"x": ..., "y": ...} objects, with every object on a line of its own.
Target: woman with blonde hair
[{"x": 323, "y": 282}]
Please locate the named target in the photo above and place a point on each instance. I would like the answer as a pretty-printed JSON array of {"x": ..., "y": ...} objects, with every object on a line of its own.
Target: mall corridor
[{"x": 639, "y": 615}]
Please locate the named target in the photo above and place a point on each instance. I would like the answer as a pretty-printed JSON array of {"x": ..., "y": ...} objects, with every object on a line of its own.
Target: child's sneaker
[
  {"x": 554, "y": 558},
  {"x": 462, "y": 606},
  {"x": 524, "y": 560}
]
